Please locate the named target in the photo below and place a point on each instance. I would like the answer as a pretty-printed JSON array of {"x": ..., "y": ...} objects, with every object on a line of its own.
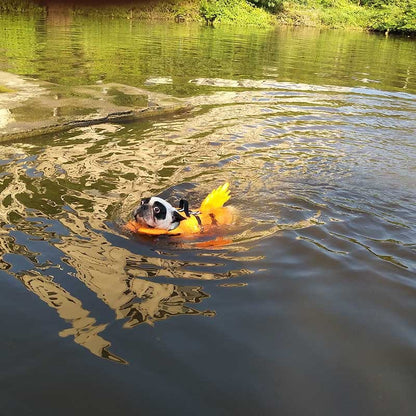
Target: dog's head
[{"x": 157, "y": 213}]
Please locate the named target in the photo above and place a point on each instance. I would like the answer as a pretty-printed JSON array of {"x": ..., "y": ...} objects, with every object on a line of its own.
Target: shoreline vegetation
[{"x": 387, "y": 16}]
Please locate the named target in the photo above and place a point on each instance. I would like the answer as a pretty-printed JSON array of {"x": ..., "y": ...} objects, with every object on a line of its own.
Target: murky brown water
[{"x": 309, "y": 309}]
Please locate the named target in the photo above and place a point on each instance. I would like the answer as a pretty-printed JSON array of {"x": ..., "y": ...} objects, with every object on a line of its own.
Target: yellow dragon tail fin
[{"x": 216, "y": 199}]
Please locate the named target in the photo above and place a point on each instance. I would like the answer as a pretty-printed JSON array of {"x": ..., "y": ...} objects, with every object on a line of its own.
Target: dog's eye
[{"x": 156, "y": 210}]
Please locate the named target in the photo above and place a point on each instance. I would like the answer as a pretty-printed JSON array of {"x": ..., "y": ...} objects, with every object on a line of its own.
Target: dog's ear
[
  {"x": 176, "y": 217},
  {"x": 184, "y": 206}
]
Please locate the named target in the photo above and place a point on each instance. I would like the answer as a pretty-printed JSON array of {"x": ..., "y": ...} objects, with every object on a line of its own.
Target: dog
[
  {"x": 156, "y": 216},
  {"x": 157, "y": 213}
]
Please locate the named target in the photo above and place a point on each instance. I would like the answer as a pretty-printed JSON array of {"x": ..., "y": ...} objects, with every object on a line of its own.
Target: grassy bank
[
  {"x": 378, "y": 15},
  {"x": 21, "y": 6},
  {"x": 211, "y": 12}
]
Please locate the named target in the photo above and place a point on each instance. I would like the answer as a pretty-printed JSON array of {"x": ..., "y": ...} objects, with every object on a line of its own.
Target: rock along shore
[{"x": 30, "y": 108}]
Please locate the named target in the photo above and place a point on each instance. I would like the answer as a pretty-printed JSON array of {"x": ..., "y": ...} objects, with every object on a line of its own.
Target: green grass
[
  {"x": 374, "y": 15},
  {"x": 20, "y": 6},
  {"x": 397, "y": 17},
  {"x": 238, "y": 12},
  {"x": 151, "y": 10}
]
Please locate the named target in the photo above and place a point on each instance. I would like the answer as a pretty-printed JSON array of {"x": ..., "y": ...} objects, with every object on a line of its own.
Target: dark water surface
[{"x": 310, "y": 310}]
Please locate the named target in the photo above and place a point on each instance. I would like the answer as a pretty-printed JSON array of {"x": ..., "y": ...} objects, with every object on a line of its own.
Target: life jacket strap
[
  {"x": 184, "y": 207},
  {"x": 198, "y": 218}
]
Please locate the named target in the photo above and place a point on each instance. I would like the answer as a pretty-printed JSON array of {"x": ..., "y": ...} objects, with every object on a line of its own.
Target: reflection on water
[
  {"x": 167, "y": 56},
  {"x": 321, "y": 164}
]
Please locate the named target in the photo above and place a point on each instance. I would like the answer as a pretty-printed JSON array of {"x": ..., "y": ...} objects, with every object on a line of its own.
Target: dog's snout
[
  {"x": 135, "y": 212},
  {"x": 140, "y": 211}
]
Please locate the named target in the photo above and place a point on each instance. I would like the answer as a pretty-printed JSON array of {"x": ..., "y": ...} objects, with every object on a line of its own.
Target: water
[{"x": 310, "y": 306}]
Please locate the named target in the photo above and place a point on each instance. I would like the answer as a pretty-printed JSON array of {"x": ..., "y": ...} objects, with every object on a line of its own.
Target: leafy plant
[
  {"x": 397, "y": 17},
  {"x": 20, "y": 6},
  {"x": 234, "y": 11},
  {"x": 273, "y": 6},
  {"x": 209, "y": 10}
]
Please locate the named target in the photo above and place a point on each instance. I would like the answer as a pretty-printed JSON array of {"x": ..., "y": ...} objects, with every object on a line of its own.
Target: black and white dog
[{"x": 155, "y": 212}]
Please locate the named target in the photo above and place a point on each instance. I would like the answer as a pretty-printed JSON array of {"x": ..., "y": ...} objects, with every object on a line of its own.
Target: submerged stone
[{"x": 30, "y": 107}]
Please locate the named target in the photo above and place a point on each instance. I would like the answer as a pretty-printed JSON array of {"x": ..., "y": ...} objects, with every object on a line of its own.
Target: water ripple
[{"x": 328, "y": 168}]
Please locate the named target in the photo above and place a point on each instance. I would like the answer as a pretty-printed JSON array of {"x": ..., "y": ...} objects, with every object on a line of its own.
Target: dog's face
[{"x": 157, "y": 213}]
